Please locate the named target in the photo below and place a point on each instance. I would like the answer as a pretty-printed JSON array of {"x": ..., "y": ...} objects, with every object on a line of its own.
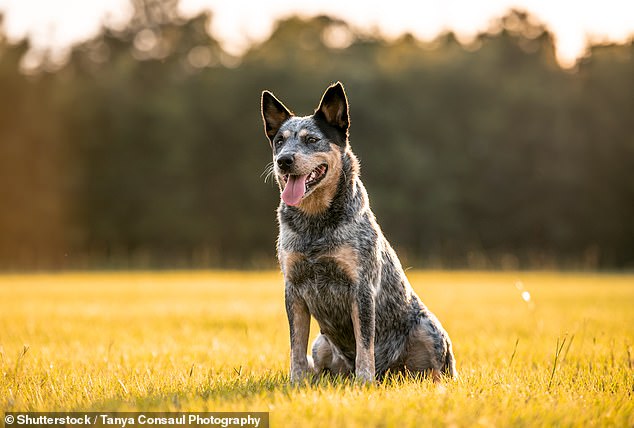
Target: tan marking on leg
[
  {"x": 288, "y": 259},
  {"x": 364, "y": 361},
  {"x": 346, "y": 258},
  {"x": 300, "y": 367},
  {"x": 321, "y": 197}
]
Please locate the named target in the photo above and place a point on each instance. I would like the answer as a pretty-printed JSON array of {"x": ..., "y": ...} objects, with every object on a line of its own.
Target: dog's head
[{"x": 307, "y": 150}]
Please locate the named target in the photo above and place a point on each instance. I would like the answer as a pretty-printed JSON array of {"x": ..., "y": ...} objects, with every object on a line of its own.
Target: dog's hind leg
[
  {"x": 429, "y": 349},
  {"x": 327, "y": 358}
]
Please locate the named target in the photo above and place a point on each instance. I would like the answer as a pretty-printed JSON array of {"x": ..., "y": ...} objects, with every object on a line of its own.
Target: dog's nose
[{"x": 285, "y": 162}]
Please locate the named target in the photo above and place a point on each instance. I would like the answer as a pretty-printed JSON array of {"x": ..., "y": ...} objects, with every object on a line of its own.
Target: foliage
[{"x": 146, "y": 148}]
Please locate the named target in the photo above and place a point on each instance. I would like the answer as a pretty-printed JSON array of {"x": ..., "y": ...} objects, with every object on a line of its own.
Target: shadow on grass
[{"x": 222, "y": 393}]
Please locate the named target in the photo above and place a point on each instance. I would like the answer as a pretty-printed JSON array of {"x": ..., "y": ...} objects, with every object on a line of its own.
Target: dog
[{"x": 337, "y": 265}]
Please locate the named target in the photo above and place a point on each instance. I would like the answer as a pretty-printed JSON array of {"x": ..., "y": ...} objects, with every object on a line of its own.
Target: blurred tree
[
  {"x": 604, "y": 108},
  {"x": 34, "y": 195},
  {"x": 146, "y": 148}
]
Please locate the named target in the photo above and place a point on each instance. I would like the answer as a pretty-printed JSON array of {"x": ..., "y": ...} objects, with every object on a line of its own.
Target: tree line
[{"x": 146, "y": 148}]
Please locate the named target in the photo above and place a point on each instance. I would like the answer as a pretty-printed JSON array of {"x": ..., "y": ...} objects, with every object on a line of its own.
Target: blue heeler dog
[{"x": 337, "y": 265}]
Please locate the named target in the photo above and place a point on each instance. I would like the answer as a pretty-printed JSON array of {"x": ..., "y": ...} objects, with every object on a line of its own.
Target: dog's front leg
[
  {"x": 363, "y": 324},
  {"x": 299, "y": 326}
]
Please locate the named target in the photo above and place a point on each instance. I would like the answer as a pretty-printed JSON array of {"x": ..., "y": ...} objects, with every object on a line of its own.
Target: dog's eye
[{"x": 311, "y": 140}]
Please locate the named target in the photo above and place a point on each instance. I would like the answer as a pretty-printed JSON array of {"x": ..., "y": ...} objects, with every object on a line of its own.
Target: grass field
[{"x": 208, "y": 341}]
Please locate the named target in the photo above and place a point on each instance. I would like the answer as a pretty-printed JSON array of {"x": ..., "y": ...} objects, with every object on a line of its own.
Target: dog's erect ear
[
  {"x": 334, "y": 107},
  {"x": 274, "y": 114}
]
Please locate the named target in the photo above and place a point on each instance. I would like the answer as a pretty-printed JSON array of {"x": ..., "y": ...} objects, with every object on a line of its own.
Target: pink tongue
[{"x": 294, "y": 189}]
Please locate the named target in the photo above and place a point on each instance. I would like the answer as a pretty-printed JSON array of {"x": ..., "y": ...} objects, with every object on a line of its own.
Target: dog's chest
[
  {"x": 328, "y": 297},
  {"x": 327, "y": 291},
  {"x": 316, "y": 250},
  {"x": 325, "y": 279},
  {"x": 338, "y": 263}
]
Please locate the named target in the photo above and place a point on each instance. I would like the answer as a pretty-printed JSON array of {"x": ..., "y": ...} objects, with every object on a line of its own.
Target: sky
[{"x": 57, "y": 24}]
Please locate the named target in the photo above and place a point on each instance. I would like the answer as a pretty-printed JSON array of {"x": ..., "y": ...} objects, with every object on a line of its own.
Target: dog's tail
[{"x": 449, "y": 364}]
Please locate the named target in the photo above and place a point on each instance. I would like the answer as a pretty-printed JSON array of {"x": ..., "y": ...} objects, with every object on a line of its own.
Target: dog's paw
[
  {"x": 364, "y": 377},
  {"x": 299, "y": 377}
]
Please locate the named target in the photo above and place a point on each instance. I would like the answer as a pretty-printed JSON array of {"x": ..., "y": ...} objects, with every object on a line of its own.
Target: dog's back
[{"x": 337, "y": 265}]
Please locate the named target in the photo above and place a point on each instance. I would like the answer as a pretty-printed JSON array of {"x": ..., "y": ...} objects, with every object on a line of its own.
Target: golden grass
[{"x": 218, "y": 341}]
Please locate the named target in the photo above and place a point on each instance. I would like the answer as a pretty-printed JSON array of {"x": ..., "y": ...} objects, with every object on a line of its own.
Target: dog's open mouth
[{"x": 296, "y": 186}]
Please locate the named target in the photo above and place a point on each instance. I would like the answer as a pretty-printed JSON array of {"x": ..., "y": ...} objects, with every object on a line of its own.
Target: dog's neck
[{"x": 347, "y": 201}]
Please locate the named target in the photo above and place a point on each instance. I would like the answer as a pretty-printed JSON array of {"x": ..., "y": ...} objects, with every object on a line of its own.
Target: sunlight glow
[{"x": 239, "y": 23}]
